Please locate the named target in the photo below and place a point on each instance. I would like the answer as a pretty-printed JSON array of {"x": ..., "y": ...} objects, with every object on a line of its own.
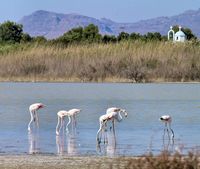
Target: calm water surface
[{"x": 138, "y": 134}]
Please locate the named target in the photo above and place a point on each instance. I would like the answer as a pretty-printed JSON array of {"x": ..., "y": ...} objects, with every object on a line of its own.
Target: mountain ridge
[{"x": 52, "y": 25}]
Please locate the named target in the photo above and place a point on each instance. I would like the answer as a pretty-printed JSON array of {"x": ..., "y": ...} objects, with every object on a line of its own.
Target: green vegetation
[{"x": 82, "y": 54}]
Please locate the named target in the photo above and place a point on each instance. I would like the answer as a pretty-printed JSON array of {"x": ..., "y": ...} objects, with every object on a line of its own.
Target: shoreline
[
  {"x": 55, "y": 162},
  {"x": 164, "y": 160},
  {"x": 99, "y": 82}
]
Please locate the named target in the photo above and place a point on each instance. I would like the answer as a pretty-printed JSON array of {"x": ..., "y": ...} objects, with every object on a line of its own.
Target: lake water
[{"x": 141, "y": 132}]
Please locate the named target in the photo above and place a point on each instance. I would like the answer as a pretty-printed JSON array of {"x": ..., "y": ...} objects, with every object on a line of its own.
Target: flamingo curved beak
[{"x": 126, "y": 114}]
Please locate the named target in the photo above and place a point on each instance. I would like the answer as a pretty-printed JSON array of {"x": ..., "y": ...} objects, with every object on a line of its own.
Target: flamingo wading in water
[
  {"x": 34, "y": 114},
  {"x": 112, "y": 114},
  {"x": 61, "y": 114},
  {"x": 115, "y": 113},
  {"x": 167, "y": 120}
]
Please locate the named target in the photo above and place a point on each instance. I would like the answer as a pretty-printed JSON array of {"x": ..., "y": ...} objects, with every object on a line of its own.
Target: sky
[{"x": 116, "y": 10}]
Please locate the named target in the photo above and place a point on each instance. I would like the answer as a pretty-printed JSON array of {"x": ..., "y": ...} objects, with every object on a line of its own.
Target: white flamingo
[
  {"x": 34, "y": 114},
  {"x": 112, "y": 114},
  {"x": 115, "y": 113},
  {"x": 71, "y": 114},
  {"x": 167, "y": 119}
]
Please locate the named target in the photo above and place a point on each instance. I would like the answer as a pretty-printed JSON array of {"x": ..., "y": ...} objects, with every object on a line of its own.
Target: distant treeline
[{"x": 11, "y": 32}]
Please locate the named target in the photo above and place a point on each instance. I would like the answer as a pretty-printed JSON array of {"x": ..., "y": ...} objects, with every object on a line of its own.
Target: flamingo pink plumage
[{"x": 34, "y": 115}]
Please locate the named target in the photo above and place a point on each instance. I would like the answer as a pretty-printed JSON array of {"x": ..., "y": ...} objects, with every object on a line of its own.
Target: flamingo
[
  {"x": 102, "y": 121},
  {"x": 112, "y": 114},
  {"x": 115, "y": 113},
  {"x": 167, "y": 119},
  {"x": 34, "y": 114},
  {"x": 61, "y": 114}
]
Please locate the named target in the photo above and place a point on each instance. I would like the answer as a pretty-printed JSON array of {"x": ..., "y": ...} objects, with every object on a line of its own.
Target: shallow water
[{"x": 138, "y": 134}]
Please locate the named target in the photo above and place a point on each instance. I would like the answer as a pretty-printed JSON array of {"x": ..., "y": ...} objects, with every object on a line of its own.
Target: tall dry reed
[{"x": 127, "y": 61}]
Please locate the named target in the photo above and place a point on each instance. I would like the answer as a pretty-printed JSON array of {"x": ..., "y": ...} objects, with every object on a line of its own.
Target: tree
[
  {"x": 10, "y": 32},
  {"x": 153, "y": 36},
  {"x": 91, "y": 33},
  {"x": 123, "y": 36},
  {"x": 74, "y": 35},
  {"x": 109, "y": 38},
  {"x": 134, "y": 36},
  {"x": 189, "y": 34},
  {"x": 26, "y": 38}
]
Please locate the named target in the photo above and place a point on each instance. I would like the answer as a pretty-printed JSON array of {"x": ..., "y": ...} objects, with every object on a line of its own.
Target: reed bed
[{"x": 120, "y": 62}]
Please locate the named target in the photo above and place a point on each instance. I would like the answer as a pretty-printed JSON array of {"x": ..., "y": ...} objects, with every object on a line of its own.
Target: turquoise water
[{"x": 141, "y": 132}]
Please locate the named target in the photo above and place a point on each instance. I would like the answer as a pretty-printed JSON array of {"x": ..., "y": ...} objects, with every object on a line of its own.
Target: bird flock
[{"x": 112, "y": 114}]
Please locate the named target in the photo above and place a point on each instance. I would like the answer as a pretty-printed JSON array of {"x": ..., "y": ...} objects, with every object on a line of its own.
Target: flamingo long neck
[
  {"x": 119, "y": 117},
  {"x": 58, "y": 124}
]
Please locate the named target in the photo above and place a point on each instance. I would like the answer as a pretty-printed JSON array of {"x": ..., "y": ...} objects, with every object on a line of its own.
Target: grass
[{"x": 121, "y": 62}]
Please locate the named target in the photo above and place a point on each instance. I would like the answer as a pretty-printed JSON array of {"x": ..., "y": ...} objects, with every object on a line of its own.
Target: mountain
[{"x": 52, "y": 25}]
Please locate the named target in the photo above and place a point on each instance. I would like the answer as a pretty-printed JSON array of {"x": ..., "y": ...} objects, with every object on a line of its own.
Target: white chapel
[{"x": 178, "y": 36}]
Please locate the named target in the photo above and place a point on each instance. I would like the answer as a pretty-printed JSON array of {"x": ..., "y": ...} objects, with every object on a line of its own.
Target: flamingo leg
[
  {"x": 113, "y": 123},
  {"x": 168, "y": 133},
  {"x": 99, "y": 134},
  {"x": 29, "y": 124},
  {"x": 171, "y": 130},
  {"x": 165, "y": 131},
  {"x": 75, "y": 123},
  {"x": 105, "y": 133},
  {"x": 62, "y": 125},
  {"x": 37, "y": 119},
  {"x": 68, "y": 124}
]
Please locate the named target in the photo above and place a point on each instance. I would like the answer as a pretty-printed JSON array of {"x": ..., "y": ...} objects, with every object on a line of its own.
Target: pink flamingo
[
  {"x": 167, "y": 120},
  {"x": 115, "y": 113},
  {"x": 112, "y": 114},
  {"x": 34, "y": 114},
  {"x": 61, "y": 114}
]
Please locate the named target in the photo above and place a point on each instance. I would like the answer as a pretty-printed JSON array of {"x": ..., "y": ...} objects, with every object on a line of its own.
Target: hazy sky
[{"x": 117, "y": 10}]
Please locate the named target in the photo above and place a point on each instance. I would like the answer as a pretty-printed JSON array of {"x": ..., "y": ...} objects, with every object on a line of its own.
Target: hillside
[{"x": 52, "y": 25}]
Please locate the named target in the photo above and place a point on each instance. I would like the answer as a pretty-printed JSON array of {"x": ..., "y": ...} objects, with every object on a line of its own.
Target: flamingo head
[
  {"x": 165, "y": 118},
  {"x": 125, "y": 112},
  {"x": 78, "y": 110},
  {"x": 41, "y": 105}
]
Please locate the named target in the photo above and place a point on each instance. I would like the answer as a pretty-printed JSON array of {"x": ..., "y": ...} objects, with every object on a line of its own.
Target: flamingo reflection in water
[
  {"x": 33, "y": 139},
  {"x": 108, "y": 149},
  {"x": 67, "y": 143},
  {"x": 112, "y": 114}
]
